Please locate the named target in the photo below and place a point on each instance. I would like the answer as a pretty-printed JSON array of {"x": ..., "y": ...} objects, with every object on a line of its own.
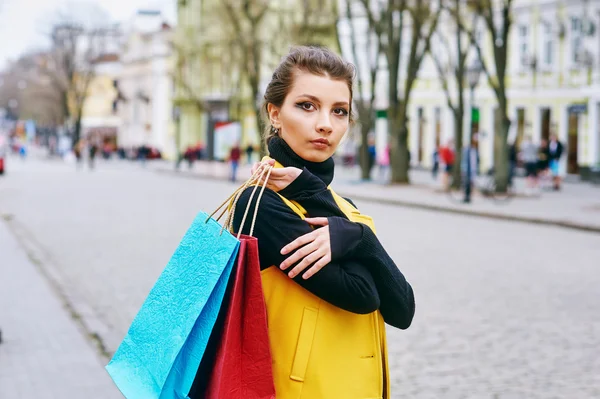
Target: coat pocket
[{"x": 305, "y": 341}]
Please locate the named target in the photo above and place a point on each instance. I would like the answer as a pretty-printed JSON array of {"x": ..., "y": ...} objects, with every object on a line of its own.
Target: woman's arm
[
  {"x": 357, "y": 242},
  {"x": 346, "y": 284}
]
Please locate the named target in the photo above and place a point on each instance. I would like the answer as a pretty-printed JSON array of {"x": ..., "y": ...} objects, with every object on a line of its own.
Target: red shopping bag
[{"x": 242, "y": 368}]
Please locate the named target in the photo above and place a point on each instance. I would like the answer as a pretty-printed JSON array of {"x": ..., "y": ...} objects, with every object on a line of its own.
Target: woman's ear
[{"x": 273, "y": 111}]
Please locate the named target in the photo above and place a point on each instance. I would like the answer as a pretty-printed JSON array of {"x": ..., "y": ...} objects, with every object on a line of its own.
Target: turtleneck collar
[{"x": 282, "y": 153}]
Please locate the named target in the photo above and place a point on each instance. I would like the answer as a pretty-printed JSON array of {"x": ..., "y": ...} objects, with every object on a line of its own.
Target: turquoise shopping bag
[{"x": 161, "y": 352}]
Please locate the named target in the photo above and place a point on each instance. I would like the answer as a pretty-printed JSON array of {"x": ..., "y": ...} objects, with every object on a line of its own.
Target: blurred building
[
  {"x": 100, "y": 120},
  {"x": 212, "y": 83},
  {"x": 145, "y": 84},
  {"x": 553, "y": 79}
]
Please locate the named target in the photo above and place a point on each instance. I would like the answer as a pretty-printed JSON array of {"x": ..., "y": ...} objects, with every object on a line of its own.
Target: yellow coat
[{"x": 319, "y": 350}]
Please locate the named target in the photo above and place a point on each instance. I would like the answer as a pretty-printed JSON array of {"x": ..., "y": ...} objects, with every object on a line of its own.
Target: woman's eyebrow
[{"x": 316, "y": 99}]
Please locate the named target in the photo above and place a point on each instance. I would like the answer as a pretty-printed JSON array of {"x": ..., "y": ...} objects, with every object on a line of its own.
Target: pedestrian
[
  {"x": 447, "y": 156},
  {"x": 372, "y": 150},
  {"x": 470, "y": 166},
  {"x": 249, "y": 151},
  {"x": 78, "y": 150},
  {"x": 384, "y": 163},
  {"x": 543, "y": 160},
  {"x": 92, "y": 155},
  {"x": 328, "y": 283},
  {"x": 512, "y": 162},
  {"x": 234, "y": 159},
  {"x": 436, "y": 162},
  {"x": 555, "y": 150},
  {"x": 529, "y": 157}
]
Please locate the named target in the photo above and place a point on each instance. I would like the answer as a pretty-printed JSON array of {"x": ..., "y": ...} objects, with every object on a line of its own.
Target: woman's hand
[
  {"x": 280, "y": 178},
  {"x": 315, "y": 247}
]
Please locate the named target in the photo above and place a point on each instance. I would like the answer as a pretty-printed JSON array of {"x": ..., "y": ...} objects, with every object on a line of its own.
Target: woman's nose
[{"x": 324, "y": 123}]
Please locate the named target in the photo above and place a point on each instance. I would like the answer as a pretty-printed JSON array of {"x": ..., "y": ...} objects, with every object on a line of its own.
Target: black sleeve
[
  {"x": 395, "y": 293},
  {"x": 345, "y": 284}
]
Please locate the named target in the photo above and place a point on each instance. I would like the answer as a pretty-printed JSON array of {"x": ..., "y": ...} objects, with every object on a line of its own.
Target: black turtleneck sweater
[{"x": 361, "y": 276}]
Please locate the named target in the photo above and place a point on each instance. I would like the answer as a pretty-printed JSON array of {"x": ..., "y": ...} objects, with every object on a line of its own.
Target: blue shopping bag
[{"x": 161, "y": 352}]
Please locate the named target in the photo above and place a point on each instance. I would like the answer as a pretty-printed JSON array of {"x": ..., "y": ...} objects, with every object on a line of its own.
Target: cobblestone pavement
[{"x": 504, "y": 310}]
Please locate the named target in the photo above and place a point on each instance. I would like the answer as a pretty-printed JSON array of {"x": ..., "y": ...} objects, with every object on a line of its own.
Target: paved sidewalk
[
  {"x": 576, "y": 206},
  {"x": 44, "y": 354}
]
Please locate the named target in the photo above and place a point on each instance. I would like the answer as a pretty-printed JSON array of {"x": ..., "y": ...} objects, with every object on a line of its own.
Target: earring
[{"x": 274, "y": 130}]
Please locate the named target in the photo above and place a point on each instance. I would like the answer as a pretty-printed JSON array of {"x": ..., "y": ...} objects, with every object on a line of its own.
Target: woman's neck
[{"x": 282, "y": 153}]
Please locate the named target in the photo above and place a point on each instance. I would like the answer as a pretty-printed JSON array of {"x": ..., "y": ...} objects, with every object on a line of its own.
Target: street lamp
[{"x": 473, "y": 75}]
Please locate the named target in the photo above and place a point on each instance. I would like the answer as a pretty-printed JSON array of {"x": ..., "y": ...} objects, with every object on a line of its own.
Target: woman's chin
[{"x": 316, "y": 156}]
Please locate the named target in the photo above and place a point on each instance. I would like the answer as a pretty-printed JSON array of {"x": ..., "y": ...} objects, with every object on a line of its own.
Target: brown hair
[{"x": 315, "y": 60}]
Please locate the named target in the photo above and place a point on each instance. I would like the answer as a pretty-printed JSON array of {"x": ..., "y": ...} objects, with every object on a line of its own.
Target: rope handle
[{"x": 232, "y": 200}]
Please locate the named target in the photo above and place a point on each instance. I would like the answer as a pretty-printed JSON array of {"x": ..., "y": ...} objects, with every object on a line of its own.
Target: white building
[
  {"x": 146, "y": 85},
  {"x": 553, "y": 80}
]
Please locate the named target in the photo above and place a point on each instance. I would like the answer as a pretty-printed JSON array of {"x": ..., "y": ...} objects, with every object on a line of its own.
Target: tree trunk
[
  {"x": 259, "y": 130},
  {"x": 458, "y": 145},
  {"x": 400, "y": 159},
  {"x": 76, "y": 131},
  {"x": 501, "y": 155},
  {"x": 365, "y": 164}
]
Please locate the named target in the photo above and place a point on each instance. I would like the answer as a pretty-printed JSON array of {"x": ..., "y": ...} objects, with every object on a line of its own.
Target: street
[{"x": 504, "y": 309}]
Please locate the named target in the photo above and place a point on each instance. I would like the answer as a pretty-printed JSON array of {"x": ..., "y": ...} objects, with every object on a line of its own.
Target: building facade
[
  {"x": 553, "y": 79},
  {"x": 145, "y": 85}
]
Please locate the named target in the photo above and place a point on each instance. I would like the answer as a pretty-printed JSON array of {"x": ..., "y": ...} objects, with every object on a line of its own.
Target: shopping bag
[
  {"x": 243, "y": 369},
  {"x": 162, "y": 350}
]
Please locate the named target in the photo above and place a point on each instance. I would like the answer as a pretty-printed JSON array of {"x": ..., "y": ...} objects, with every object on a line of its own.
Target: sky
[{"x": 23, "y": 22}]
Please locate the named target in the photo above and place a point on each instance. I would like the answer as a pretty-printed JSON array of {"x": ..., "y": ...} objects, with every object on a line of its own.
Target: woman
[{"x": 328, "y": 283}]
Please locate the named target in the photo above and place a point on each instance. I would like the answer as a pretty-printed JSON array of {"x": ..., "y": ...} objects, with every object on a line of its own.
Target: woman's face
[{"x": 314, "y": 116}]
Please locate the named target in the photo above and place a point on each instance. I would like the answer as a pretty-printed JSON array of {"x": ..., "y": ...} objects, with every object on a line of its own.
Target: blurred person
[
  {"x": 78, "y": 150},
  {"x": 249, "y": 151},
  {"x": 93, "y": 149},
  {"x": 512, "y": 162},
  {"x": 470, "y": 166},
  {"x": 555, "y": 151},
  {"x": 372, "y": 150},
  {"x": 384, "y": 163},
  {"x": 234, "y": 159},
  {"x": 436, "y": 163},
  {"x": 543, "y": 161},
  {"x": 529, "y": 157},
  {"x": 331, "y": 259},
  {"x": 447, "y": 156}
]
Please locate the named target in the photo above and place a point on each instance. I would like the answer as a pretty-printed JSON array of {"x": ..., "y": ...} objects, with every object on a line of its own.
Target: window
[
  {"x": 523, "y": 45},
  {"x": 547, "y": 44},
  {"x": 576, "y": 39}
]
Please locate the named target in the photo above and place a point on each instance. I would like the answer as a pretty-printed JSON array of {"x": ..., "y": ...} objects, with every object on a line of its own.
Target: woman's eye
[
  {"x": 340, "y": 112},
  {"x": 306, "y": 106}
]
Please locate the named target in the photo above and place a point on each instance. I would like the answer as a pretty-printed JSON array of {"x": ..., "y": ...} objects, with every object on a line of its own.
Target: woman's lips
[{"x": 320, "y": 143}]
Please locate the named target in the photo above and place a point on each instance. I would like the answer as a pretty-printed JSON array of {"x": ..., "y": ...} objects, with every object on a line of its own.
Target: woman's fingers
[
  {"x": 306, "y": 262},
  {"x": 324, "y": 261},
  {"x": 298, "y": 242},
  {"x": 299, "y": 255},
  {"x": 317, "y": 221}
]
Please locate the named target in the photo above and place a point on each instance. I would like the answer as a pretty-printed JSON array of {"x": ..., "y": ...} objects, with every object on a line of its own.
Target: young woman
[{"x": 328, "y": 283}]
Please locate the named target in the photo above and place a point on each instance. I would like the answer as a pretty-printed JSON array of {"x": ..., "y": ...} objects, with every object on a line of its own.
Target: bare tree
[
  {"x": 78, "y": 39},
  {"x": 450, "y": 62},
  {"x": 496, "y": 16},
  {"x": 369, "y": 50},
  {"x": 29, "y": 95},
  {"x": 391, "y": 19}
]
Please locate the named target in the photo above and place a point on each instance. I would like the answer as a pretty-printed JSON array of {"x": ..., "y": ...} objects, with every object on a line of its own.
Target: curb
[
  {"x": 94, "y": 330},
  {"x": 407, "y": 204},
  {"x": 489, "y": 215}
]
